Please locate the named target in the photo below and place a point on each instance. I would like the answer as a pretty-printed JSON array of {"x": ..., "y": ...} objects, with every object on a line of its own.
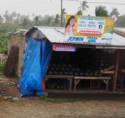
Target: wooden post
[
  {"x": 116, "y": 71},
  {"x": 70, "y": 85}
]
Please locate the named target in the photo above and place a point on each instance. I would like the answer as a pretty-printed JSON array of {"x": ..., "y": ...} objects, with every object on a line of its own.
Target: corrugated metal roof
[
  {"x": 120, "y": 29},
  {"x": 56, "y": 35},
  {"x": 19, "y": 31},
  {"x": 118, "y": 40}
]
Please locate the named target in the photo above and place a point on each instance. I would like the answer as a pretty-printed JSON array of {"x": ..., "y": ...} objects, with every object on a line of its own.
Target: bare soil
[{"x": 43, "y": 109}]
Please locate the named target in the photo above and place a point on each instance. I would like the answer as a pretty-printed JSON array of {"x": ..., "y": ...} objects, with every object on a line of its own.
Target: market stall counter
[{"x": 85, "y": 69}]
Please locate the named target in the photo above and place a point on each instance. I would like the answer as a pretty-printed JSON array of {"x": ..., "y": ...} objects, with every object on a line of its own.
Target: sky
[{"x": 52, "y": 7}]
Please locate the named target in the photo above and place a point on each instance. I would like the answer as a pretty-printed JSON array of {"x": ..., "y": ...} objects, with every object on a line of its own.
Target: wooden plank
[
  {"x": 80, "y": 91},
  {"x": 116, "y": 71},
  {"x": 109, "y": 68},
  {"x": 108, "y": 72},
  {"x": 70, "y": 85},
  {"x": 91, "y": 78},
  {"x": 59, "y": 76},
  {"x": 123, "y": 71}
]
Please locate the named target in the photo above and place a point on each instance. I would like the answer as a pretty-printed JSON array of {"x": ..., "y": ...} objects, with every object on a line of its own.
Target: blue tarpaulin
[{"x": 36, "y": 60}]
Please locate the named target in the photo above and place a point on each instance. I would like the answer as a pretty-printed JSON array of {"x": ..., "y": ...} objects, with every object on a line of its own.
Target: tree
[
  {"x": 63, "y": 11},
  {"x": 115, "y": 13},
  {"x": 101, "y": 11},
  {"x": 14, "y": 14},
  {"x": 37, "y": 20},
  {"x": 48, "y": 20},
  {"x": 120, "y": 22},
  {"x": 57, "y": 17},
  {"x": 83, "y": 7},
  {"x": 79, "y": 12},
  {"x": 1, "y": 19},
  {"x": 8, "y": 18},
  {"x": 25, "y": 21}
]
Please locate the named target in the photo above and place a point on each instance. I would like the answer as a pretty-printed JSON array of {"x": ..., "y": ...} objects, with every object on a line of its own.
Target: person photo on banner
[{"x": 70, "y": 29}]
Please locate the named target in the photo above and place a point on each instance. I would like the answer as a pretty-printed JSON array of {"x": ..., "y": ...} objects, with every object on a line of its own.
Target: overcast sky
[{"x": 52, "y": 7}]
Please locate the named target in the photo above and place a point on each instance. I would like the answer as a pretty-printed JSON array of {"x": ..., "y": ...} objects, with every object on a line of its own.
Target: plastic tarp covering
[{"x": 36, "y": 60}]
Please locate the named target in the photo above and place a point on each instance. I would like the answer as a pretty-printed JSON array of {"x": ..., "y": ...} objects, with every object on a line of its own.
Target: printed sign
[
  {"x": 67, "y": 48},
  {"x": 81, "y": 29}
]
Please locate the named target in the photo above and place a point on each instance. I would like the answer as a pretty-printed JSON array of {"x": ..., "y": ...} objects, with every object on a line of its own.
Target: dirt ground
[
  {"x": 37, "y": 108},
  {"x": 43, "y": 109}
]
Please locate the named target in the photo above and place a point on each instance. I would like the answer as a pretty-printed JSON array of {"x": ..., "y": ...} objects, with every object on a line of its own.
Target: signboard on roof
[{"x": 83, "y": 29}]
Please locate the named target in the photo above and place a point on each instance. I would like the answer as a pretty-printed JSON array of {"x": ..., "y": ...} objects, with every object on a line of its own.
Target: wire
[{"x": 98, "y": 2}]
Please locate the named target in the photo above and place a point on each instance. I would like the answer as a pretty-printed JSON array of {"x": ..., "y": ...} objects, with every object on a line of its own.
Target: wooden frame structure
[
  {"x": 69, "y": 78},
  {"x": 78, "y": 78},
  {"x": 111, "y": 73}
]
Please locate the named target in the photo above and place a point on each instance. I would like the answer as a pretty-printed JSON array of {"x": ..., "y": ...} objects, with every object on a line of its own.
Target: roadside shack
[
  {"x": 81, "y": 62},
  {"x": 89, "y": 66}
]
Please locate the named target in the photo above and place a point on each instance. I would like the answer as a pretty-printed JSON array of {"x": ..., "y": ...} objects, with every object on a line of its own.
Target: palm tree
[
  {"x": 115, "y": 13},
  {"x": 83, "y": 7},
  {"x": 101, "y": 11}
]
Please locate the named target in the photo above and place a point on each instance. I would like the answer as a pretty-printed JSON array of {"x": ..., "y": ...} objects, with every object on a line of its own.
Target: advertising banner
[
  {"x": 67, "y": 48},
  {"x": 86, "y": 29}
]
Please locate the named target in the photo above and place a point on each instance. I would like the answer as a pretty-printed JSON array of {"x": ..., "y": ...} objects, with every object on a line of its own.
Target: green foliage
[
  {"x": 57, "y": 20},
  {"x": 115, "y": 13},
  {"x": 101, "y": 11},
  {"x": 4, "y": 29},
  {"x": 3, "y": 42},
  {"x": 10, "y": 22},
  {"x": 79, "y": 12}
]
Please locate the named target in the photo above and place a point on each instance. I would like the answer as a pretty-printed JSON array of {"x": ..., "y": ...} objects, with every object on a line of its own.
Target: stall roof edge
[{"x": 56, "y": 35}]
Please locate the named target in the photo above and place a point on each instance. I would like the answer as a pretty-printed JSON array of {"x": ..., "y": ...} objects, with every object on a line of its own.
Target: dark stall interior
[
  {"x": 87, "y": 62},
  {"x": 121, "y": 71}
]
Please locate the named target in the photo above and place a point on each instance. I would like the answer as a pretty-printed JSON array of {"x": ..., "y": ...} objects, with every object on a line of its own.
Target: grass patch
[{"x": 45, "y": 98}]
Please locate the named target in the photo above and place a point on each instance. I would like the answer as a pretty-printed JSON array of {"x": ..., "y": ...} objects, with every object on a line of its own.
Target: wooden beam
[
  {"x": 108, "y": 72},
  {"x": 91, "y": 78},
  {"x": 116, "y": 71},
  {"x": 109, "y": 68}
]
